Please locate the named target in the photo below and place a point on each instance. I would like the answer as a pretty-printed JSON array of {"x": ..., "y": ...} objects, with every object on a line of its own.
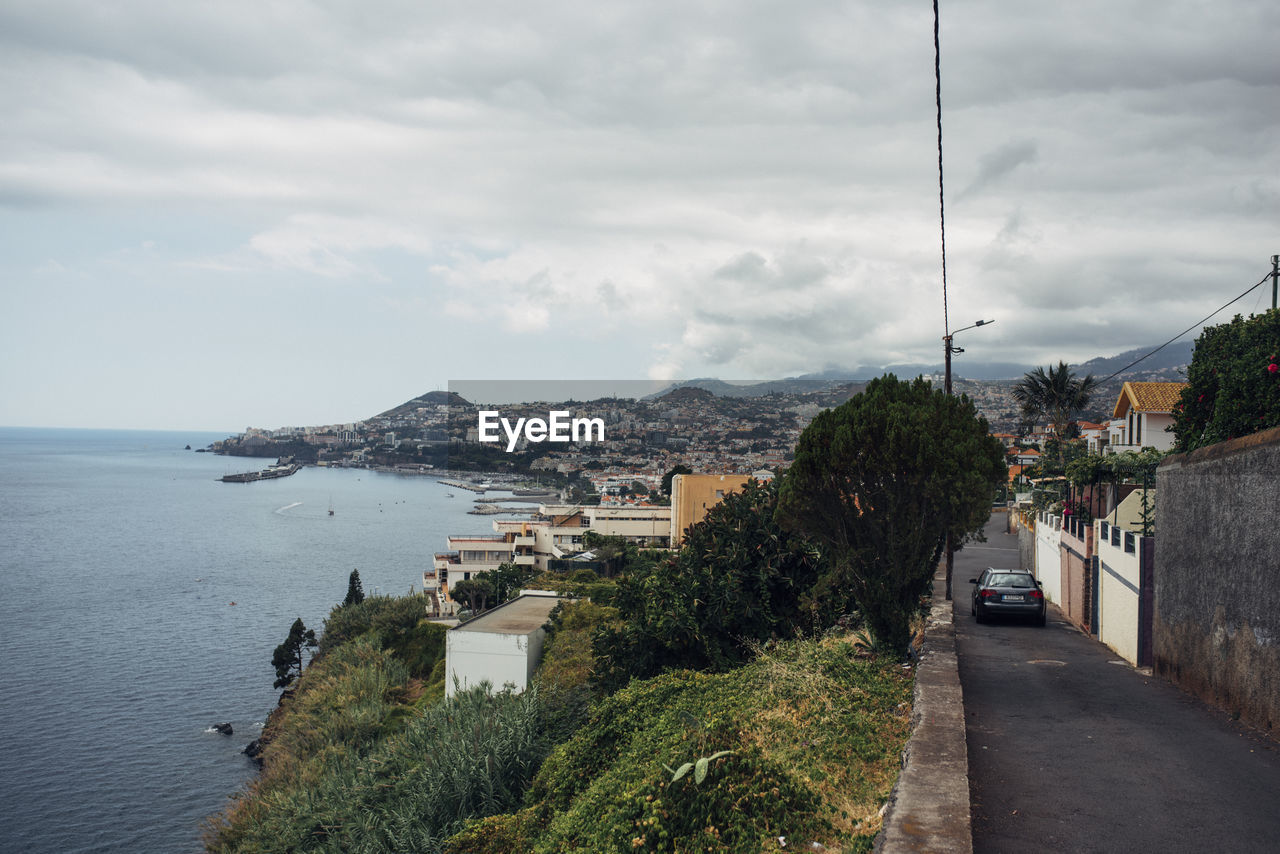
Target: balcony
[
  {"x": 524, "y": 560},
  {"x": 525, "y": 541}
]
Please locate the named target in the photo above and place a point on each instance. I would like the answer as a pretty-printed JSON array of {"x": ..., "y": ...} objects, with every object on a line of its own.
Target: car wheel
[
  {"x": 978, "y": 617},
  {"x": 1040, "y": 621}
]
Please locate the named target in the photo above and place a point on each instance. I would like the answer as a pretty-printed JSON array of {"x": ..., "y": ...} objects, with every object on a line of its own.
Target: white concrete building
[{"x": 502, "y": 646}]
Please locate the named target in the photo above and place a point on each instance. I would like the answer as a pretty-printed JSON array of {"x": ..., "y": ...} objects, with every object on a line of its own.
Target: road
[{"x": 1071, "y": 749}]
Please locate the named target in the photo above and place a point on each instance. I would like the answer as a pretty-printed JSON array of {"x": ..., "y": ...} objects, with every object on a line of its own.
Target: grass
[{"x": 816, "y": 728}]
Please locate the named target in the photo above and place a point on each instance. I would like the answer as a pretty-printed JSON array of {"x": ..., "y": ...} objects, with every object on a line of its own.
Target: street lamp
[
  {"x": 947, "y": 346},
  {"x": 950, "y": 348}
]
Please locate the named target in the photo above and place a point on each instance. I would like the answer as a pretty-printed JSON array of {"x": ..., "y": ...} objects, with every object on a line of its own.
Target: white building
[
  {"x": 501, "y": 647},
  {"x": 1142, "y": 415}
]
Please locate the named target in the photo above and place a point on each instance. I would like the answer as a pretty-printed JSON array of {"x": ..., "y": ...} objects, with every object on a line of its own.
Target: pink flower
[{"x": 1273, "y": 367}]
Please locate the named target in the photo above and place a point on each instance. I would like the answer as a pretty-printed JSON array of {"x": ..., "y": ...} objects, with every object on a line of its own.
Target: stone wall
[{"x": 1216, "y": 625}]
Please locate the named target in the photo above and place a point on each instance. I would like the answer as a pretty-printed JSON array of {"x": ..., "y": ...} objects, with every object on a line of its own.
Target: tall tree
[
  {"x": 1056, "y": 394},
  {"x": 879, "y": 482},
  {"x": 355, "y": 589},
  {"x": 475, "y": 593},
  {"x": 678, "y": 468},
  {"x": 287, "y": 658},
  {"x": 507, "y": 580}
]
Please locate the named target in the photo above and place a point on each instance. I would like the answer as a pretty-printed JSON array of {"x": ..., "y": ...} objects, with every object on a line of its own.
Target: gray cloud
[
  {"x": 998, "y": 163},
  {"x": 648, "y": 188}
]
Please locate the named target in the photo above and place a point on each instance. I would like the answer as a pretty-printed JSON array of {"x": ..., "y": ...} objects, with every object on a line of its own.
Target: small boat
[{"x": 330, "y": 506}]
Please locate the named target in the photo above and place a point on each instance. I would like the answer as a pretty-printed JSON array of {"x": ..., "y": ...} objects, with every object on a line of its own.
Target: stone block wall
[{"x": 1216, "y": 603}]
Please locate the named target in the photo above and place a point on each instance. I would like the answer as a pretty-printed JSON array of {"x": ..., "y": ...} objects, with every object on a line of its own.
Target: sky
[{"x": 287, "y": 213}]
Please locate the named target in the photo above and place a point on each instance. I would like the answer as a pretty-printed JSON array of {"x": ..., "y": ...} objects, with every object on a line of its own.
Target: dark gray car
[{"x": 1008, "y": 593}]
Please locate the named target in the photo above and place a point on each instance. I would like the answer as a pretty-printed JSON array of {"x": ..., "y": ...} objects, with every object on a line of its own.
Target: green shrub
[
  {"x": 738, "y": 578},
  {"x": 470, "y": 756},
  {"x": 400, "y": 624},
  {"x": 816, "y": 728},
  {"x": 564, "y": 675},
  {"x": 1233, "y": 383}
]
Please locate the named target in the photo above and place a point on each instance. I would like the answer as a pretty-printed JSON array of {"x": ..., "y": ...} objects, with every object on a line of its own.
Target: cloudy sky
[{"x": 278, "y": 213}]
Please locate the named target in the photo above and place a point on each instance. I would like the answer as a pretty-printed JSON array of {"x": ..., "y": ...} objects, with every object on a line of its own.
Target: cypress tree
[{"x": 355, "y": 590}]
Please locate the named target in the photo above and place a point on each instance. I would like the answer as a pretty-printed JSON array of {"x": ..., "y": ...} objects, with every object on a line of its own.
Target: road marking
[{"x": 1052, "y": 661}]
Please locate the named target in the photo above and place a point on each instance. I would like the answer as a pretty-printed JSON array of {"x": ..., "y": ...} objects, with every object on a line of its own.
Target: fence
[{"x": 1125, "y": 568}]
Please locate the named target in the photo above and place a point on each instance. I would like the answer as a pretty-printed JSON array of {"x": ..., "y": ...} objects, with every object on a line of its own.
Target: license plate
[{"x": 1010, "y": 597}]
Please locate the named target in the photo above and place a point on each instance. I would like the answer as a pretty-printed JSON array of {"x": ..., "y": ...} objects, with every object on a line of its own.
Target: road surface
[{"x": 1071, "y": 749}]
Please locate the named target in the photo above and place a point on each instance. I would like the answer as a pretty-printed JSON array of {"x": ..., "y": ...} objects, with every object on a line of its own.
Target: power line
[
  {"x": 942, "y": 210},
  {"x": 1183, "y": 332}
]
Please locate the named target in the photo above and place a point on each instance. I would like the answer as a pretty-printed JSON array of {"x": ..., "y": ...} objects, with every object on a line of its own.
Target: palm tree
[{"x": 1056, "y": 394}]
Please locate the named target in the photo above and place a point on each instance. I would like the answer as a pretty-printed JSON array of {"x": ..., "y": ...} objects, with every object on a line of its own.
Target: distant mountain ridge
[{"x": 1164, "y": 365}]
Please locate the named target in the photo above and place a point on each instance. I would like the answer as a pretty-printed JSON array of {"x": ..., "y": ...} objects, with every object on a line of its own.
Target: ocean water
[{"x": 140, "y": 601}]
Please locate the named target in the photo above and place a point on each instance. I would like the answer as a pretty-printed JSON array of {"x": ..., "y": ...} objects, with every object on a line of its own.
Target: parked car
[{"x": 1007, "y": 593}]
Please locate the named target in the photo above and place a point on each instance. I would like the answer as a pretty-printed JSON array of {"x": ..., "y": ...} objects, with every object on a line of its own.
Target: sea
[{"x": 140, "y": 602}]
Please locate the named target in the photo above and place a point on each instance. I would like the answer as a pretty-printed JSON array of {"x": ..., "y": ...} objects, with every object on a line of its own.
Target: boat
[{"x": 331, "y": 505}]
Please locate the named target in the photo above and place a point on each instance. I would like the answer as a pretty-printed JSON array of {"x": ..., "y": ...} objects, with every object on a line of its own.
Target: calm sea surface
[{"x": 140, "y": 601}]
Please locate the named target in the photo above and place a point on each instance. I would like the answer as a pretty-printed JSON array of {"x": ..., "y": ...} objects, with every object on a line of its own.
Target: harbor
[{"x": 280, "y": 469}]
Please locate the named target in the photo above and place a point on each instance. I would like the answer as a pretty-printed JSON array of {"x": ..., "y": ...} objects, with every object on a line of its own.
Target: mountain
[
  {"x": 1167, "y": 361},
  {"x": 431, "y": 398}
]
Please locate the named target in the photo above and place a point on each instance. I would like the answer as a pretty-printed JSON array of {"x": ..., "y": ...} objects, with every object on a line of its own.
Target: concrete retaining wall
[
  {"x": 1120, "y": 589},
  {"x": 1216, "y": 627},
  {"x": 1048, "y": 565}
]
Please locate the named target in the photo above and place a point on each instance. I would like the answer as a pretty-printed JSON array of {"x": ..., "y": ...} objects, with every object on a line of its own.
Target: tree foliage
[
  {"x": 355, "y": 589},
  {"x": 679, "y": 468},
  {"x": 738, "y": 578},
  {"x": 1056, "y": 394},
  {"x": 1233, "y": 383},
  {"x": 507, "y": 580},
  {"x": 474, "y": 592},
  {"x": 879, "y": 482},
  {"x": 288, "y": 656}
]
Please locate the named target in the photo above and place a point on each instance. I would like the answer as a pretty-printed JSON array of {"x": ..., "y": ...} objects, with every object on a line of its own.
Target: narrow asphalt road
[{"x": 1071, "y": 749}]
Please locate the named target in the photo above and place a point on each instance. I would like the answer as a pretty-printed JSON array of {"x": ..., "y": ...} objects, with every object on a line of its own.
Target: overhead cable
[{"x": 1183, "y": 332}]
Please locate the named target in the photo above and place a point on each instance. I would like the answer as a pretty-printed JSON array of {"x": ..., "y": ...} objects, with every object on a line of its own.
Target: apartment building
[
  {"x": 692, "y": 495},
  {"x": 555, "y": 532}
]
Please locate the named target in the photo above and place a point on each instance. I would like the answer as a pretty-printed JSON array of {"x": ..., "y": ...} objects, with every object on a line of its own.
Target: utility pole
[
  {"x": 947, "y": 346},
  {"x": 1275, "y": 278}
]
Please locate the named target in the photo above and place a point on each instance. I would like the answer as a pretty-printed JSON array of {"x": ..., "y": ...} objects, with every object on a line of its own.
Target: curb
[{"x": 929, "y": 807}]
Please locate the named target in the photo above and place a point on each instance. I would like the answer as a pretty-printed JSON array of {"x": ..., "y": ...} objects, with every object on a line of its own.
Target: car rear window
[{"x": 1010, "y": 580}]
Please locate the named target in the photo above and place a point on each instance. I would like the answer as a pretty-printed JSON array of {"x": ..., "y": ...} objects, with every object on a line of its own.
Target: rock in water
[{"x": 225, "y": 729}]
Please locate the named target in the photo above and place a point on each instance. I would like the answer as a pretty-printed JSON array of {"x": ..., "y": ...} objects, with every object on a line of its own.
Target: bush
[
  {"x": 815, "y": 727},
  {"x": 739, "y": 578},
  {"x": 470, "y": 756},
  {"x": 564, "y": 675},
  {"x": 400, "y": 624},
  {"x": 1233, "y": 383}
]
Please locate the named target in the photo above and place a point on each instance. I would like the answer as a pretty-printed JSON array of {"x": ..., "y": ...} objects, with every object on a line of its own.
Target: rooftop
[
  {"x": 521, "y": 616},
  {"x": 1148, "y": 397}
]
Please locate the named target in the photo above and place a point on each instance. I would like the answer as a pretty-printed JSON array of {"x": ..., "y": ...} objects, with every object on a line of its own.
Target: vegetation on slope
[
  {"x": 702, "y": 701},
  {"x": 815, "y": 729}
]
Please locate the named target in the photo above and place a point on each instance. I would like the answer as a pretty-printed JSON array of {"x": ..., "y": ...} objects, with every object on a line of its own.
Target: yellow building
[{"x": 692, "y": 495}]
